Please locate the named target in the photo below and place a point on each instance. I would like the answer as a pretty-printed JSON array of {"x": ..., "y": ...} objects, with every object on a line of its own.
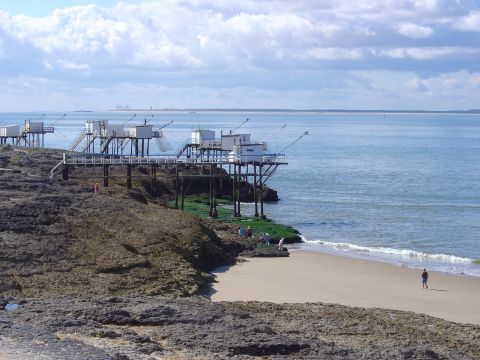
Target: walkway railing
[{"x": 123, "y": 160}]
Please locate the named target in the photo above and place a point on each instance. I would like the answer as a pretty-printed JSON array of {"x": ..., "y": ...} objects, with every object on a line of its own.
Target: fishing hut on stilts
[
  {"x": 32, "y": 134},
  {"x": 228, "y": 158}
]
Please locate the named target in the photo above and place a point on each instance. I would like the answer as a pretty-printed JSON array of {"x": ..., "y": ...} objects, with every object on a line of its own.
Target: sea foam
[
  {"x": 403, "y": 257},
  {"x": 406, "y": 253}
]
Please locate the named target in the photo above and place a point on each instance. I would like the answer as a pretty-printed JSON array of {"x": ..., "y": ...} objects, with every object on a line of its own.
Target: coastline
[
  {"x": 120, "y": 277},
  {"x": 308, "y": 276}
]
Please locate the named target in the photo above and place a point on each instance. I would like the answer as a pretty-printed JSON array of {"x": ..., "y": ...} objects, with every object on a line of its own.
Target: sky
[{"x": 276, "y": 54}]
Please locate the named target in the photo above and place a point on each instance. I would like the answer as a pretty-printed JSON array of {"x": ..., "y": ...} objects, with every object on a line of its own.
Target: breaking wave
[{"x": 404, "y": 253}]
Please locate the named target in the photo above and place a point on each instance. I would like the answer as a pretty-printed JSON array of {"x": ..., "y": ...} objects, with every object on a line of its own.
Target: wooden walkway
[
  {"x": 263, "y": 169},
  {"x": 99, "y": 160}
]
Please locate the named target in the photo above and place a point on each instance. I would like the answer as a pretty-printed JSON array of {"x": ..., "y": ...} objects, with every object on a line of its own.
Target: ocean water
[{"x": 398, "y": 188}]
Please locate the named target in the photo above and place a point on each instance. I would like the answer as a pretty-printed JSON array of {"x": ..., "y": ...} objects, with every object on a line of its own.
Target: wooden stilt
[
  {"x": 129, "y": 176},
  {"x": 211, "y": 189},
  {"x": 176, "y": 186},
  {"x": 238, "y": 190},
  {"x": 182, "y": 192},
  {"x": 234, "y": 193},
  {"x": 255, "y": 197},
  {"x": 153, "y": 187},
  {"x": 261, "y": 192},
  {"x": 105, "y": 175},
  {"x": 65, "y": 172}
]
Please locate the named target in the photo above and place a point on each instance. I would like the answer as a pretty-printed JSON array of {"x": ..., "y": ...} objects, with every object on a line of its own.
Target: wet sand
[{"x": 316, "y": 277}]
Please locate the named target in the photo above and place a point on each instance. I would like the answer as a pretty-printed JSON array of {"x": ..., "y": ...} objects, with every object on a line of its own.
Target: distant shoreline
[{"x": 314, "y": 111}]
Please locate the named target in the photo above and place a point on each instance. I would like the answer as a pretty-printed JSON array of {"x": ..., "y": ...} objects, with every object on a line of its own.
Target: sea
[{"x": 401, "y": 188}]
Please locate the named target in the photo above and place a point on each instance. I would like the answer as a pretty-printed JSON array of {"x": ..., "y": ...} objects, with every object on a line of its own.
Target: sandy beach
[{"x": 316, "y": 277}]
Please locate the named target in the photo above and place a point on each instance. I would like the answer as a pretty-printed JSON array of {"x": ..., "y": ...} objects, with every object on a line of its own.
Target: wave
[{"x": 403, "y": 253}]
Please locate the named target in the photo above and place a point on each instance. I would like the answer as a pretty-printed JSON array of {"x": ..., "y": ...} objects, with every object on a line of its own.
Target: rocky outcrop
[
  {"x": 139, "y": 327},
  {"x": 58, "y": 237}
]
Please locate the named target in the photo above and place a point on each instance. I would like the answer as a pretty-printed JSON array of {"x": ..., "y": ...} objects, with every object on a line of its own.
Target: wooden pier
[{"x": 255, "y": 172}]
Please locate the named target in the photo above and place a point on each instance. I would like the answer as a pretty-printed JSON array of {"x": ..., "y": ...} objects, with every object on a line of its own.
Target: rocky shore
[{"x": 117, "y": 276}]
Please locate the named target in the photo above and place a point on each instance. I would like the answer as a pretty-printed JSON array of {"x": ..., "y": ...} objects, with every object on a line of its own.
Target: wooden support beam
[
  {"x": 210, "y": 178},
  {"x": 105, "y": 175},
  {"x": 214, "y": 210},
  {"x": 129, "y": 176},
  {"x": 153, "y": 187},
  {"x": 261, "y": 193},
  {"x": 65, "y": 172},
  {"x": 255, "y": 195},
  {"x": 239, "y": 189},
  {"x": 182, "y": 193},
  {"x": 234, "y": 190},
  {"x": 176, "y": 186}
]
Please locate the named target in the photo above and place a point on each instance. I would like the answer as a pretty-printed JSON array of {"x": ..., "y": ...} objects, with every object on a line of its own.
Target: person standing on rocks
[
  {"x": 249, "y": 232},
  {"x": 96, "y": 188},
  {"x": 267, "y": 239},
  {"x": 280, "y": 244},
  {"x": 241, "y": 231},
  {"x": 424, "y": 279}
]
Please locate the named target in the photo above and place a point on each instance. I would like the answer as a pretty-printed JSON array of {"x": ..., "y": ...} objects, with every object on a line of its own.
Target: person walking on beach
[
  {"x": 424, "y": 279},
  {"x": 280, "y": 244}
]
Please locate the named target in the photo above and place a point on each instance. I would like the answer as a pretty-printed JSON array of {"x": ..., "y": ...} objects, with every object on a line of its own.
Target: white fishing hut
[
  {"x": 204, "y": 138},
  {"x": 230, "y": 140},
  {"x": 10, "y": 131},
  {"x": 95, "y": 126},
  {"x": 34, "y": 127},
  {"x": 141, "y": 132},
  {"x": 34, "y": 133},
  {"x": 247, "y": 153},
  {"x": 114, "y": 130}
]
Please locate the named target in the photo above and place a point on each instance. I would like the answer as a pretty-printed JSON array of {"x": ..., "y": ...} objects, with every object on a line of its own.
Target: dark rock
[
  {"x": 120, "y": 356},
  {"x": 149, "y": 348},
  {"x": 266, "y": 349},
  {"x": 110, "y": 334},
  {"x": 114, "y": 316}
]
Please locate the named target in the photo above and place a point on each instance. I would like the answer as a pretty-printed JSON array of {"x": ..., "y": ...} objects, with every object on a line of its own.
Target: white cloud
[
  {"x": 427, "y": 53},
  {"x": 67, "y": 65},
  {"x": 414, "y": 31},
  {"x": 331, "y": 54},
  {"x": 48, "y": 65},
  {"x": 246, "y": 44},
  {"x": 475, "y": 80},
  {"x": 415, "y": 85},
  {"x": 471, "y": 22}
]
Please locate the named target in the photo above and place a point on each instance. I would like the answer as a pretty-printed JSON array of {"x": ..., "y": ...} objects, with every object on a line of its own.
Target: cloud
[
  {"x": 415, "y": 85},
  {"x": 428, "y": 53},
  {"x": 67, "y": 65},
  {"x": 269, "y": 46},
  {"x": 471, "y": 22},
  {"x": 414, "y": 31},
  {"x": 331, "y": 54}
]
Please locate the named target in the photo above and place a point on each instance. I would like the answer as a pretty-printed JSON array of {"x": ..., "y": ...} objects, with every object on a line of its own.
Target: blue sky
[
  {"x": 44, "y": 8},
  {"x": 306, "y": 54}
]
